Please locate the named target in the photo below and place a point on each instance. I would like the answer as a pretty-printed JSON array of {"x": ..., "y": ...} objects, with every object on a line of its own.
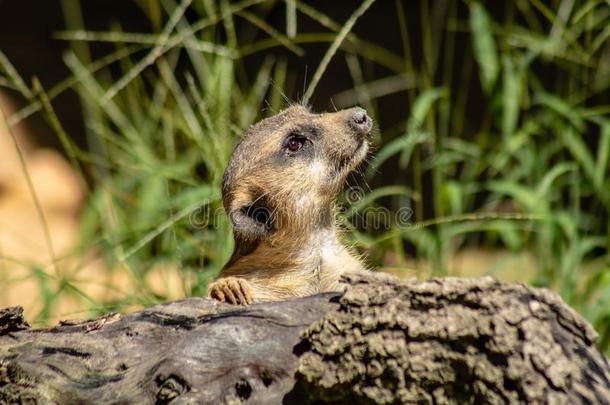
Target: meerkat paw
[{"x": 233, "y": 290}]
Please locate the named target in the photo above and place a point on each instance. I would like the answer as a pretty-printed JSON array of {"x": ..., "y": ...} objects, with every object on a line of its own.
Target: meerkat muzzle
[{"x": 360, "y": 122}]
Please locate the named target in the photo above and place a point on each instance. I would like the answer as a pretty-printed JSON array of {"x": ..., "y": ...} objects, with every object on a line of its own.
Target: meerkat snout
[
  {"x": 279, "y": 191},
  {"x": 361, "y": 122}
]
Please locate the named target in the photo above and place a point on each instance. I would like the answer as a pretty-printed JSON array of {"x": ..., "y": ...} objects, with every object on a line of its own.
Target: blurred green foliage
[{"x": 528, "y": 171}]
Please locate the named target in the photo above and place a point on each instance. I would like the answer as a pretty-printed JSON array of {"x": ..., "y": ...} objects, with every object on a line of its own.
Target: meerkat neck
[{"x": 318, "y": 251}]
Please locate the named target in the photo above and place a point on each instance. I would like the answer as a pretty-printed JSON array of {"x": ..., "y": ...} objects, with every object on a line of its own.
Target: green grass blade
[
  {"x": 334, "y": 47},
  {"x": 484, "y": 45},
  {"x": 13, "y": 77}
]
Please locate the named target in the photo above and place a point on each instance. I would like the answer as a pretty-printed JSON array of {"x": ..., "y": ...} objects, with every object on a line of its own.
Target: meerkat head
[{"x": 287, "y": 170}]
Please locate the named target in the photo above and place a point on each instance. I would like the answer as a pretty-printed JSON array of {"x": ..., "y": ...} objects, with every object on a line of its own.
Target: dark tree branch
[{"x": 383, "y": 341}]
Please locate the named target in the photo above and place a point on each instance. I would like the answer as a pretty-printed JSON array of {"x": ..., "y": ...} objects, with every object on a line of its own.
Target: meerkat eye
[{"x": 294, "y": 143}]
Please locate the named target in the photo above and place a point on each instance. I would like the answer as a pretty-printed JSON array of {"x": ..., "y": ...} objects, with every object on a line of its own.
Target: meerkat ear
[{"x": 252, "y": 221}]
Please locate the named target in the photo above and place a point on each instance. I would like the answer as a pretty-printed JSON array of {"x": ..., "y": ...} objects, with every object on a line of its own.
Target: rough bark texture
[
  {"x": 383, "y": 341},
  {"x": 452, "y": 341}
]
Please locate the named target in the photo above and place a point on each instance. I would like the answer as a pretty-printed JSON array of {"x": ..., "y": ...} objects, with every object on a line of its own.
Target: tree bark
[{"x": 382, "y": 341}]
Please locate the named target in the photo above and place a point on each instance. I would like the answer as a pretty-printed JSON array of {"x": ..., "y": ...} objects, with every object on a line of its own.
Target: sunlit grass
[{"x": 529, "y": 173}]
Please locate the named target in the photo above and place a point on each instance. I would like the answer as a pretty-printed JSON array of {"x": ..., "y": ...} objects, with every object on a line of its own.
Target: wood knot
[{"x": 170, "y": 388}]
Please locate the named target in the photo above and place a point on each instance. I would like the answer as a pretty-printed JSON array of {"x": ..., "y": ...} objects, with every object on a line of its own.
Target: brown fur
[{"x": 281, "y": 205}]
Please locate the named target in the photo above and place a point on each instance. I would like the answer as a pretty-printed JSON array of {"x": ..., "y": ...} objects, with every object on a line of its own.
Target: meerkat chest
[
  {"x": 330, "y": 259},
  {"x": 335, "y": 258},
  {"x": 309, "y": 266}
]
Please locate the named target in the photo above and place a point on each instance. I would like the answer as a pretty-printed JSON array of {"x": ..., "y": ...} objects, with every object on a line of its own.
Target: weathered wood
[
  {"x": 384, "y": 341},
  {"x": 452, "y": 341}
]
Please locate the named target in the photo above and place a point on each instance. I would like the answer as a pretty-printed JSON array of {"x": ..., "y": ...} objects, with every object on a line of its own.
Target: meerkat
[{"x": 279, "y": 191}]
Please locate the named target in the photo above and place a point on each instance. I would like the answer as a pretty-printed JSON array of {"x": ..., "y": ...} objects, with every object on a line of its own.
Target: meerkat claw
[{"x": 233, "y": 290}]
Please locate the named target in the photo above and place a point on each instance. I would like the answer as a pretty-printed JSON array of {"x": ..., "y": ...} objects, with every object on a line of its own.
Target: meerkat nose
[{"x": 360, "y": 121}]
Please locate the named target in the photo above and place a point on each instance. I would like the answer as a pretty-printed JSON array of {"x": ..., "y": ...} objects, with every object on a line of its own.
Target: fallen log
[{"x": 382, "y": 341}]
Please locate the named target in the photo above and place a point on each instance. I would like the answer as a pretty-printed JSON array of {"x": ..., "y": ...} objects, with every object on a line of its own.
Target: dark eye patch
[
  {"x": 294, "y": 143},
  {"x": 298, "y": 141}
]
